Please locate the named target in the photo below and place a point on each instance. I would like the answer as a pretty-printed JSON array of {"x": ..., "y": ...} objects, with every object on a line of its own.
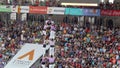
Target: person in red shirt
[
  {"x": 113, "y": 60},
  {"x": 37, "y": 2},
  {"x": 119, "y": 47},
  {"x": 76, "y": 65},
  {"x": 47, "y": 3},
  {"x": 0, "y": 55}
]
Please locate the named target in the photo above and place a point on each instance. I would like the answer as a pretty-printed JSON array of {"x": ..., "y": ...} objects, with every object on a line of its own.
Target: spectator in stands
[{"x": 85, "y": 48}]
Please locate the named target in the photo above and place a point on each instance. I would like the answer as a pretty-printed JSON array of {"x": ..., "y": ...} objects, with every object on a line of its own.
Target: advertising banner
[
  {"x": 14, "y": 8},
  {"x": 5, "y": 8},
  {"x": 110, "y": 12},
  {"x": 82, "y": 12},
  {"x": 24, "y": 9},
  {"x": 73, "y": 11},
  {"x": 38, "y": 9},
  {"x": 91, "y": 12},
  {"x": 55, "y": 10}
]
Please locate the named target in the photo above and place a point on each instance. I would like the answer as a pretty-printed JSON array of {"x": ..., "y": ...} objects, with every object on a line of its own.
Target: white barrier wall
[{"x": 27, "y": 56}]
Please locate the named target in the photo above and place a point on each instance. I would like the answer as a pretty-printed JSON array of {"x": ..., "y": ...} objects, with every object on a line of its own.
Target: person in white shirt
[
  {"x": 52, "y": 34},
  {"x": 52, "y": 42}
]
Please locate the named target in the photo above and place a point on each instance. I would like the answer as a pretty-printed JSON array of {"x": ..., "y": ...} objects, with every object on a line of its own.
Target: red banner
[
  {"x": 110, "y": 12},
  {"x": 38, "y": 9}
]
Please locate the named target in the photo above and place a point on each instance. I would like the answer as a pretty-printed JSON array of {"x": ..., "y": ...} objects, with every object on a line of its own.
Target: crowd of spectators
[
  {"x": 76, "y": 46},
  {"x": 13, "y": 35},
  {"x": 87, "y": 46},
  {"x": 28, "y": 2},
  {"x": 84, "y": 47},
  {"x": 57, "y": 3},
  {"x": 107, "y": 5}
]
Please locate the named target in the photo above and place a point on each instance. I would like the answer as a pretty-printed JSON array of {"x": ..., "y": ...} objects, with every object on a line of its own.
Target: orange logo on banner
[
  {"x": 30, "y": 54},
  {"x": 38, "y": 9},
  {"x": 19, "y": 9}
]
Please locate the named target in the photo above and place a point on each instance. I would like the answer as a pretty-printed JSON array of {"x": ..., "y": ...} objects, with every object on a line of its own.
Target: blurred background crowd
[
  {"x": 93, "y": 43},
  {"x": 76, "y": 46},
  {"x": 31, "y": 2},
  {"x": 84, "y": 47},
  {"x": 112, "y": 4}
]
